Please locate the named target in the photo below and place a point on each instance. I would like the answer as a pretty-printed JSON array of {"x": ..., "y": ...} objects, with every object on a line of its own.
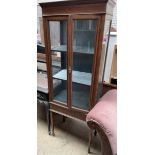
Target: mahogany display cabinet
[{"x": 76, "y": 35}]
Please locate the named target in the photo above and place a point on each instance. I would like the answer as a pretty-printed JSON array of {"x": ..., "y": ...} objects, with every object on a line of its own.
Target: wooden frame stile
[
  {"x": 70, "y": 55},
  {"x": 97, "y": 59},
  {"x": 47, "y": 52}
]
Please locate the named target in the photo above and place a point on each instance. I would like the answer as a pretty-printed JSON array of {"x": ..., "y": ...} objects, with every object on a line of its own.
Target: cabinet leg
[
  {"x": 95, "y": 132},
  {"x": 52, "y": 122},
  {"x": 90, "y": 138},
  {"x": 48, "y": 117}
]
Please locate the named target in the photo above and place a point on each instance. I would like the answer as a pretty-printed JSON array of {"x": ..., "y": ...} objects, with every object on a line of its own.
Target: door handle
[{"x": 69, "y": 70}]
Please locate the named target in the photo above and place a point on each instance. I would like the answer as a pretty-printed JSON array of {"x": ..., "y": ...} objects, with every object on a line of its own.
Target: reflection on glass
[
  {"x": 58, "y": 37},
  {"x": 83, "y": 51}
]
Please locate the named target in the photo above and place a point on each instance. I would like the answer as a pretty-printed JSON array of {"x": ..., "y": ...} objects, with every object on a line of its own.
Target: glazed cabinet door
[
  {"x": 84, "y": 49},
  {"x": 58, "y": 59}
]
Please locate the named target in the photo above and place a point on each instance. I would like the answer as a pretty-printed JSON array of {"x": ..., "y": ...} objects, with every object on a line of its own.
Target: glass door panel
[
  {"x": 84, "y": 38},
  {"x": 58, "y": 38}
]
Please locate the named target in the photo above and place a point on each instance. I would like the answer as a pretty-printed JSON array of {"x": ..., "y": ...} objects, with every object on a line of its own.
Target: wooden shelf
[
  {"x": 40, "y": 48},
  {"x": 76, "y": 49},
  {"x": 78, "y": 77},
  {"x": 41, "y": 57},
  {"x": 41, "y": 66},
  {"x": 42, "y": 83}
]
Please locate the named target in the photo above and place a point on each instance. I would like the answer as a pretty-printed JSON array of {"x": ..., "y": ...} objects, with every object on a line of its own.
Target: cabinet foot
[{"x": 52, "y": 122}]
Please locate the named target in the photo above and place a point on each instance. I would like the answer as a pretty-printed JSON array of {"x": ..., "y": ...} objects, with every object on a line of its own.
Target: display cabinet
[{"x": 76, "y": 40}]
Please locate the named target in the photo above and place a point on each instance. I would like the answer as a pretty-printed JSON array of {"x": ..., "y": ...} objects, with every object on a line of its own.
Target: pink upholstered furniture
[{"x": 103, "y": 118}]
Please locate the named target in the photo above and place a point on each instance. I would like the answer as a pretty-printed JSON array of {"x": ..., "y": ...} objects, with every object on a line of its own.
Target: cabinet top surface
[{"x": 64, "y": 2}]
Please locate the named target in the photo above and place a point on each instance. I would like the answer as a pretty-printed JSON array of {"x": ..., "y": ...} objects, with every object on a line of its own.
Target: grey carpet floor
[{"x": 71, "y": 138}]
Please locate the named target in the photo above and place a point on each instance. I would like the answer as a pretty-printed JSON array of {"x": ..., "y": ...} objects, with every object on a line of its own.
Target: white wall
[
  {"x": 114, "y": 19},
  {"x": 112, "y": 42}
]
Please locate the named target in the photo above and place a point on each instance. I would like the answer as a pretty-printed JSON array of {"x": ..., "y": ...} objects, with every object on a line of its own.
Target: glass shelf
[
  {"x": 76, "y": 49},
  {"x": 78, "y": 77}
]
